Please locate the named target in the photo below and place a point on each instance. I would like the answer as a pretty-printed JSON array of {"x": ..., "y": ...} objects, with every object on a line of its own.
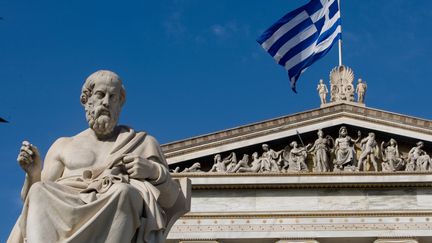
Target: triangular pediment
[{"x": 302, "y": 127}]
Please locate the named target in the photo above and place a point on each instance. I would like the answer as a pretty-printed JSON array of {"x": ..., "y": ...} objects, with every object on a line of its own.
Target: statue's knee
[
  {"x": 36, "y": 190},
  {"x": 126, "y": 190}
]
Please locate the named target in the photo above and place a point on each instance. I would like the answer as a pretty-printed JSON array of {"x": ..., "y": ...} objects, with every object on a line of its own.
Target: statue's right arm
[
  {"x": 53, "y": 165},
  {"x": 52, "y": 168}
]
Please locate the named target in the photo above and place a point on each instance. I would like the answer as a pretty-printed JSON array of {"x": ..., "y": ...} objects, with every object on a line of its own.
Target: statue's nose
[{"x": 105, "y": 101}]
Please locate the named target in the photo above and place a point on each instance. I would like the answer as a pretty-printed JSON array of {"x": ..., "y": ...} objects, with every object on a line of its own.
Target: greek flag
[{"x": 303, "y": 36}]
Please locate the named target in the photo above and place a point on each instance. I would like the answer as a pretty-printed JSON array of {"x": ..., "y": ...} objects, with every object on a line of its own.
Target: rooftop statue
[
  {"x": 361, "y": 91},
  {"x": 108, "y": 183},
  {"x": 322, "y": 91}
]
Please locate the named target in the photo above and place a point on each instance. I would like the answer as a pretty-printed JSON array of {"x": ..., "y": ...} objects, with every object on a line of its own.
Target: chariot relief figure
[
  {"x": 109, "y": 183},
  {"x": 322, "y": 91},
  {"x": 222, "y": 165},
  {"x": 418, "y": 157},
  {"x": 361, "y": 91},
  {"x": 254, "y": 167},
  {"x": 369, "y": 151},
  {"x": 321, "y": 152},
  {"x": 297, "y": 157},
  {"x": 345, "y": 155},
  {"x": 270, "y": 159},
  {"x": 392, "y": 161}
]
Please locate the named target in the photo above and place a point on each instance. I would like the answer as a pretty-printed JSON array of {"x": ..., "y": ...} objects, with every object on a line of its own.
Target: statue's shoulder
[
  {"x": 67, "y": 141},
  {"x": 147, "y": 137}
]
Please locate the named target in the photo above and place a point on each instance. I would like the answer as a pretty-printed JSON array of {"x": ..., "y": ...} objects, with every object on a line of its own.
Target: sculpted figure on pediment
[
  {"x": 418, "y": 158},
  {"x": 345, "y": 155},
  {"x": 254, "y": 167},
  {"x": 221, "y": 165},
  {"x": 270, "y": 159},
  {"x": 297, "y": 157},
  {"x": 196, "y": 167},
  {"x": 369, "y": 151},
  {"x": 392, "y": 161},
  {"x": 321, "y": 152}
]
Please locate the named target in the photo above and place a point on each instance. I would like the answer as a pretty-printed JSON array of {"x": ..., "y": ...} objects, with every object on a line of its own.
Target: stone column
[
  {"x": 396, "y": 241},
  {"x": 297, "y": 241}
]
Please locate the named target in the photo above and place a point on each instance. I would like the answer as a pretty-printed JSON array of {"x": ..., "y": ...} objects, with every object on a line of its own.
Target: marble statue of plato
[{"x": 108, "y": 183}]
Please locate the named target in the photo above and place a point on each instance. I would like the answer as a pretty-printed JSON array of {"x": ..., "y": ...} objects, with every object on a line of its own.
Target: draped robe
[{"x": 103, "y": 204}]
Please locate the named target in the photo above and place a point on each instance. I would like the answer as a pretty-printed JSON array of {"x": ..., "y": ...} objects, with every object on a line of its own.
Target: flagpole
[{"x": 340, "y": 39}]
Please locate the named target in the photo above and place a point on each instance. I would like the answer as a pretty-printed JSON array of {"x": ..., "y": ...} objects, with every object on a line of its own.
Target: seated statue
[
  {"x": 270, "y": 159},
  {"x": 392, "y": 161},
  {"x": 254, "y": 167},
  {"x": 108, "y": 183},
  {"x": 418, "y": 158},
  {"x": 345, "y": 155},
  {"x": 297, "y": 157}
]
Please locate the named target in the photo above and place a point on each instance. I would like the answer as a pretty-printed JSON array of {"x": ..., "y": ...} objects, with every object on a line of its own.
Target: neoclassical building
[{"x": 343, "y": 172}]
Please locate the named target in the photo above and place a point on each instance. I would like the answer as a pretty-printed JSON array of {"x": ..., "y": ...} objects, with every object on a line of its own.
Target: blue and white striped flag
[{"x": 303, "y": 36}]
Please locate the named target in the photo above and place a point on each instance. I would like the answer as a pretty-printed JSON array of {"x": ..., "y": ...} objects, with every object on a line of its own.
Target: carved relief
[
  {"x": 341, "y": 87},
  {"x": 343, "y": 154}
]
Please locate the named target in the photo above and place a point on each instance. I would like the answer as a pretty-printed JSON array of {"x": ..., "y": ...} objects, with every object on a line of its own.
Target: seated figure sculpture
[
  {"x": 108, "y": 183},
  {"x": 345, "y": 155}
]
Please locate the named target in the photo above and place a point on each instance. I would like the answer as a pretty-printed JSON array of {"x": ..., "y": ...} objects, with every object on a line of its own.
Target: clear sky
[{"x": 189, "y": 67}]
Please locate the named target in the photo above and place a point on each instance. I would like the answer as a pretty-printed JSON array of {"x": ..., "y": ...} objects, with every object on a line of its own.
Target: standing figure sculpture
[
  {"x": 369, "y": 151},
  {"x": 270, "y": 159},
  {"x": 321, "y": 151},
  {"x": 297, "y": 158},
  {"x": 392, "y": 161},
  {"x": 108, "y": 183},
  {"x": 322, "y": 91},
  {"x": 345, "y": 155},
  {"x": 418, "y": 157},
  {"x": 361, "y": 91}
]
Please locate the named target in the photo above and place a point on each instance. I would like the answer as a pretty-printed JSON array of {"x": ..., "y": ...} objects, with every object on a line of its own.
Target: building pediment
[{"x": 301, "y": 127}]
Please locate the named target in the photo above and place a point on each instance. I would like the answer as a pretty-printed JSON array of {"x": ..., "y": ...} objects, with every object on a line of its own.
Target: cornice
[{"x": 295, "y": 121}]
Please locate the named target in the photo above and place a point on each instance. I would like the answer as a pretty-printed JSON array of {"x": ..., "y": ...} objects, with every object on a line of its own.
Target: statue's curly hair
[{"x": 87, "y": 89}]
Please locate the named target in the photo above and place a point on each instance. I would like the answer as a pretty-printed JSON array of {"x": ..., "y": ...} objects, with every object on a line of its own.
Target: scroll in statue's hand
[
  {"x": 140, "y": 168},
  {"x": 29, "y": 159}
]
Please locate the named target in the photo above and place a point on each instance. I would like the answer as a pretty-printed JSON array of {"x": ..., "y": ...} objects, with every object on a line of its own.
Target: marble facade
[{"x": 306, "y": 207}]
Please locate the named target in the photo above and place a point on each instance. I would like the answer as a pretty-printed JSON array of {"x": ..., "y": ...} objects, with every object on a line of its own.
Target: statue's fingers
[
  {"x": 27, "y": 150},
  {"x": 129, "y": 166},
  {"x": 129, "y": 158},
  {"x": 25, "y": 143}
]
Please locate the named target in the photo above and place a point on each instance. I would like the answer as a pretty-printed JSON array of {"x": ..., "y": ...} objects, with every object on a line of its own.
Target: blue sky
[{"x": 189, "y": 67}]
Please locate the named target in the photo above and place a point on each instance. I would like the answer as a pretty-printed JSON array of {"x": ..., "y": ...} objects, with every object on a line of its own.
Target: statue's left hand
[{"x": 140, "y": 168}]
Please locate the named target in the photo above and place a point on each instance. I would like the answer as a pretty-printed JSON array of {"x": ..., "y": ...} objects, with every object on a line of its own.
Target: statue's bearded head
[{"x": 102, "y": 96}]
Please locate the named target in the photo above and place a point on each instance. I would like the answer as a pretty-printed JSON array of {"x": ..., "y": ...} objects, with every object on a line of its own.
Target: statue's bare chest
[{"x": 81, "y": 155}]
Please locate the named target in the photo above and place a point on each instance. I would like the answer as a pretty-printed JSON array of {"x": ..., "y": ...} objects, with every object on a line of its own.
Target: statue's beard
[{"x": 101, "y": 120}]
